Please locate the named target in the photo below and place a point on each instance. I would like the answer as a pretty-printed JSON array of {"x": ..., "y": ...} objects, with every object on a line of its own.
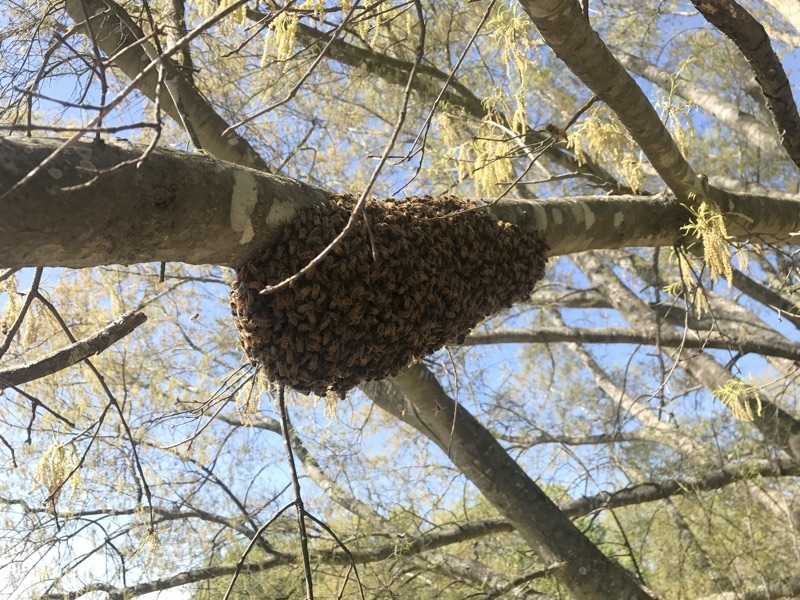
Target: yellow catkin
[
  {"x": 53, "y": 469},
  {"x": 284, "y": 32},
  {"x": 13, "y": 304}
]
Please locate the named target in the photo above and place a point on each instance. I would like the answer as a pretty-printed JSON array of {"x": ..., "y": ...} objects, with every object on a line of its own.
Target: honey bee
[{"x": 313, "y": 363}]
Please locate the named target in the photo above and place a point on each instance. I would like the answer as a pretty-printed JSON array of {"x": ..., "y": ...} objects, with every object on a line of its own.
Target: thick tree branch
[
  {"x": 752, "y": 40},
  {"x": 566, "y": 30},
  {"x": 175, "y": 206},
  {"x": 182, "y": 207},
  {"x": 586, "y": 572},
  {"x": 726, "y": 112},
  {"x": 112, "y": 29},
  {"x": 74, "y": 353}
]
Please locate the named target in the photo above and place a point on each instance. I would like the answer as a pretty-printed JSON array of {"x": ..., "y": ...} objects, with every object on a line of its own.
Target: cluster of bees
[{"x": 414, "y": 275}]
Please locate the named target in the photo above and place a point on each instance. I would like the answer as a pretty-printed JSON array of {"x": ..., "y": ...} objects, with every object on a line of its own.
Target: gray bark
[
  {"x": 568, "y": 33},
  {"x": 115, "y": 33},
  {"x": 584, "y": 570},
  {"x": 87, "y": 208},
  {"x": 174, "y": 206}
]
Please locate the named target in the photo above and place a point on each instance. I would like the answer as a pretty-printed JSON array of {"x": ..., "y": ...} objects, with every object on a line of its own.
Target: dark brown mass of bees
[{"x": 436, "y": 273}]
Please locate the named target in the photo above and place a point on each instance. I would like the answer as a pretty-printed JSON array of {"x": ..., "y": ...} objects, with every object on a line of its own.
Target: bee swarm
[{"x": 436, "y": 273}]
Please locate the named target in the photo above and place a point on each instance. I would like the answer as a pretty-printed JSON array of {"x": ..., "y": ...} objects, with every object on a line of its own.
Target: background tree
[{"x": 648, "y": 393}]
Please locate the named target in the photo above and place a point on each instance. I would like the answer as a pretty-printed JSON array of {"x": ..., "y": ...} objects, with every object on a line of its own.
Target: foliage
[{"x": 678, "y": 460}]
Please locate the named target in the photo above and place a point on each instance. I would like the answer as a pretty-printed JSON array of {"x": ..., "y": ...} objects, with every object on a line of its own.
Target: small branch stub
[{"x": 437, "y": 271}]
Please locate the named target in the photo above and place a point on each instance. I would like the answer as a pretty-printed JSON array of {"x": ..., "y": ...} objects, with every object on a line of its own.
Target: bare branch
[
  {"x": 117, "y": 37},
  {"x": 474, "y": 451},
  {"x": 727, "y": 113},
  {"x": 609, "y": 335},
  {"x": 404, "y": 546},
  {"x": 785, "y": 307},
  {"x": 710, "y": 480},
  {"x": 777, "y": 425},
  {"x": 12, "y": 331},
  {"x": 752, "y": 40},
  {"x": 786, "y": 588},
  {"x": 74, "y": 353}
]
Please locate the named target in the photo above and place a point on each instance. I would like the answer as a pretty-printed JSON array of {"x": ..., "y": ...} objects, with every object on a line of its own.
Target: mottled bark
[
  {"x": 81, "y": 211},
  {"x": 568, "y": 33},
  {"x": 584, "y": 570},
  {"x": 174, "y": 206}
]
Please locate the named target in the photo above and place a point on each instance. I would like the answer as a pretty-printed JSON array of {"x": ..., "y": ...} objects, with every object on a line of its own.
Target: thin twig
[
  {"x": 362, "y": 201},
  {"x": 344, "y": 548},
  {"x": 7, "y": 273},
  {"x": 429, "y": 119},
  {"x": 113, "y": 401},
  {"x": 250, "y": 546},
  {"x": 34, "y": 403},
  {"x": 134, "y": 83},
  {"x": 298, "y": 498},
  {"x": 10, "y": 449},
  {"x": 12, "y": 331},
  {"x": 296, "y": 88}
]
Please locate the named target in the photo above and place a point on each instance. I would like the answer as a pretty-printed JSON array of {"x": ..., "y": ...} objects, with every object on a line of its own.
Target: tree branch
[
  {"x": 184, "y": 207},
  {"x": 768, "y": 297},
  {"x": 710, "y": 480},
  {"x": 112, "y": 32},
  {"x": 439, "y": 538},
  {"x": 475, "y": 573},
  {"x": 726, "y": 112},
  {"x": 752, "y": 40},
  {"x": 778, "y": 426},
  {"x": 566, "y": 30},
  {"x": 786, "y": 588},
  {"x": 74, "y": 353},
  {"x": 472, "y": 449},
  {"x": 609, "y": 335},
  {"x": 429, "y": 78},
  {"x": 173, "y": 207}
]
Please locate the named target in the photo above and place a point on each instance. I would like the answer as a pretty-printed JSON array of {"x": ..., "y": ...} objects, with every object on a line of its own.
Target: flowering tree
[{"x": 627, "y": 429}]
